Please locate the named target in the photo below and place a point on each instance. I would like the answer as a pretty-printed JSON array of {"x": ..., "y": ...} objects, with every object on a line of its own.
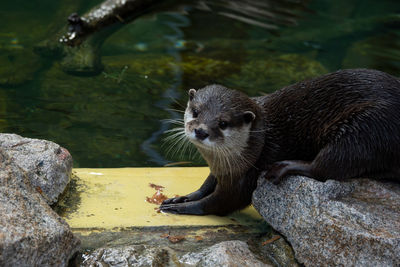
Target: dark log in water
[{"x": 269, "y": 14}]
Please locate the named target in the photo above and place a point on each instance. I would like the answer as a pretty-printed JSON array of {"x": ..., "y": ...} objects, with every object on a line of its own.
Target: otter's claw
[
  {"x": 175, "y": 200},
  {"x": 182, "y": 208}
]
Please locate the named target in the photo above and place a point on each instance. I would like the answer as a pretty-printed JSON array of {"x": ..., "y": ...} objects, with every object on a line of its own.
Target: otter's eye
[
  {"x": 195, "y": 113},
  {"x": 222, "y": 125}
]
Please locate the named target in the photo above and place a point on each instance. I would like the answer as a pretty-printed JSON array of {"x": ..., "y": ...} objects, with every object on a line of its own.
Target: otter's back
[{"x": 359, "y": 103}]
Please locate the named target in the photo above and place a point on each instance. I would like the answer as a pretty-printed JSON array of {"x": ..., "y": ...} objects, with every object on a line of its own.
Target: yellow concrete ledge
[{"x": 116, "y": 198}]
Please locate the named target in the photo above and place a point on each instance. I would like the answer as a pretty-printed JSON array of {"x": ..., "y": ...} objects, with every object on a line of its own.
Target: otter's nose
[{"x": 200, "y": 134}]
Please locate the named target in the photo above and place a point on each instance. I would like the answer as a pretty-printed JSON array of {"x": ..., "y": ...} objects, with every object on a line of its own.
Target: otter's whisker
[
  {"x": 178, "y": 121},
  {"x": 176, "y": 102},
  {"x": 173, "y": 140},
  {"x": 175, "y": 110},
  {"x": 173, "y": 136},
  {"x": 181, "y": 144},
  {"x": 174, "y": 130}
]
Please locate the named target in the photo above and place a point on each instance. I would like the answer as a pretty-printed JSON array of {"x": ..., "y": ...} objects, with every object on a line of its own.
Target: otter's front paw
[
  {"x": 175, "y": 200},
  {"x": 182, "y": 208}
]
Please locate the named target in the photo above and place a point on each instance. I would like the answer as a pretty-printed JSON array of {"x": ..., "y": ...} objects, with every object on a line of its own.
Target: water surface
[{"x": 115, "y": 118}]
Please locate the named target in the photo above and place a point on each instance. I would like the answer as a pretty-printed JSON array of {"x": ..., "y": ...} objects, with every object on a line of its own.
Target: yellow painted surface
[{"x": 116, "y": 198}]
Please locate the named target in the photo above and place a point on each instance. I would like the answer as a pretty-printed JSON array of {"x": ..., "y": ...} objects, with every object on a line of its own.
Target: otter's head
[{"x": 219, "y": 122}]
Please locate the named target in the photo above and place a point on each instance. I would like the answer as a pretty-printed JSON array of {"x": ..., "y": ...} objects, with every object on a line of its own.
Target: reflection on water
[
  {"x": 270, "y": 14},
  {"x": 115, "y": 118},
  {"x": 171, "y": 93}
]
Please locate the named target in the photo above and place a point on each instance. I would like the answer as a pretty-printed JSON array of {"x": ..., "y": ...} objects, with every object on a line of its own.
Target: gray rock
[
  {"x": 11, "y": 175},
  {"x": 353, "y": 223},
  {"x": 31, "y": 233},
  {"x": 124, "y": 256},
  {"x": 228, "y": 253},
  {"x": 47, "y": 165}
]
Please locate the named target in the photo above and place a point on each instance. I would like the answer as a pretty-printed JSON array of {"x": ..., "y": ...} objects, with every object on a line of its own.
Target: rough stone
[
  {"x": 135, "y": 255},
  {"x": 228, "y": 253},
  {"x": 352, "y": 223},
  {"x": 11, "y": 175},
  {"x": 47, "y": 165},
  {"x": 31, "y": 233}
]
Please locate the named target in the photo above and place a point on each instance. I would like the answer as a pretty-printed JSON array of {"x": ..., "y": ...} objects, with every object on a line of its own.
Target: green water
[{"x": 115, "y": 118}]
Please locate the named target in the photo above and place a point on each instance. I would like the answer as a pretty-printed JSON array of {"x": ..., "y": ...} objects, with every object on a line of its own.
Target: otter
[{"x": 339, "y": 126}]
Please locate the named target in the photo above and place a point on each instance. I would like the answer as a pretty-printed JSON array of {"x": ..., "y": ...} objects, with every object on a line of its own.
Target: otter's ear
[
  {"x": 191, "y": 94},
  {"x": 248, "y": 116}
]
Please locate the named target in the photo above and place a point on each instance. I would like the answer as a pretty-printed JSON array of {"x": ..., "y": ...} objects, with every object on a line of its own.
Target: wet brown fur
[
  {"x": 341, "y": 125},
  {"x": 347, "y": 123}
]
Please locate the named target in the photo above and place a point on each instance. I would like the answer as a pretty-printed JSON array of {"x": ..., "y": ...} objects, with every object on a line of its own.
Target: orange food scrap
[
  {"x": 198, "y": 238},
  {"x": 176, "y": 238},
  {"x": 157, "y": 198},
  {"x": 273, "y": 239},
  {"x": 173, "y": 238},
  {"x": 156, "y": 187}
]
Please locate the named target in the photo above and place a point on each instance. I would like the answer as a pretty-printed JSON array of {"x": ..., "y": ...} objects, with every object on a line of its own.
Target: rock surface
[
  {"x": 47, "y": 165},
  {"x": 31, "y": 233},
  {"x": 354, "y": 223},
  {"x": 227, "y": 253},
  {"x": 185, "y": 246},
  {"x": 136, "y": 255}
]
